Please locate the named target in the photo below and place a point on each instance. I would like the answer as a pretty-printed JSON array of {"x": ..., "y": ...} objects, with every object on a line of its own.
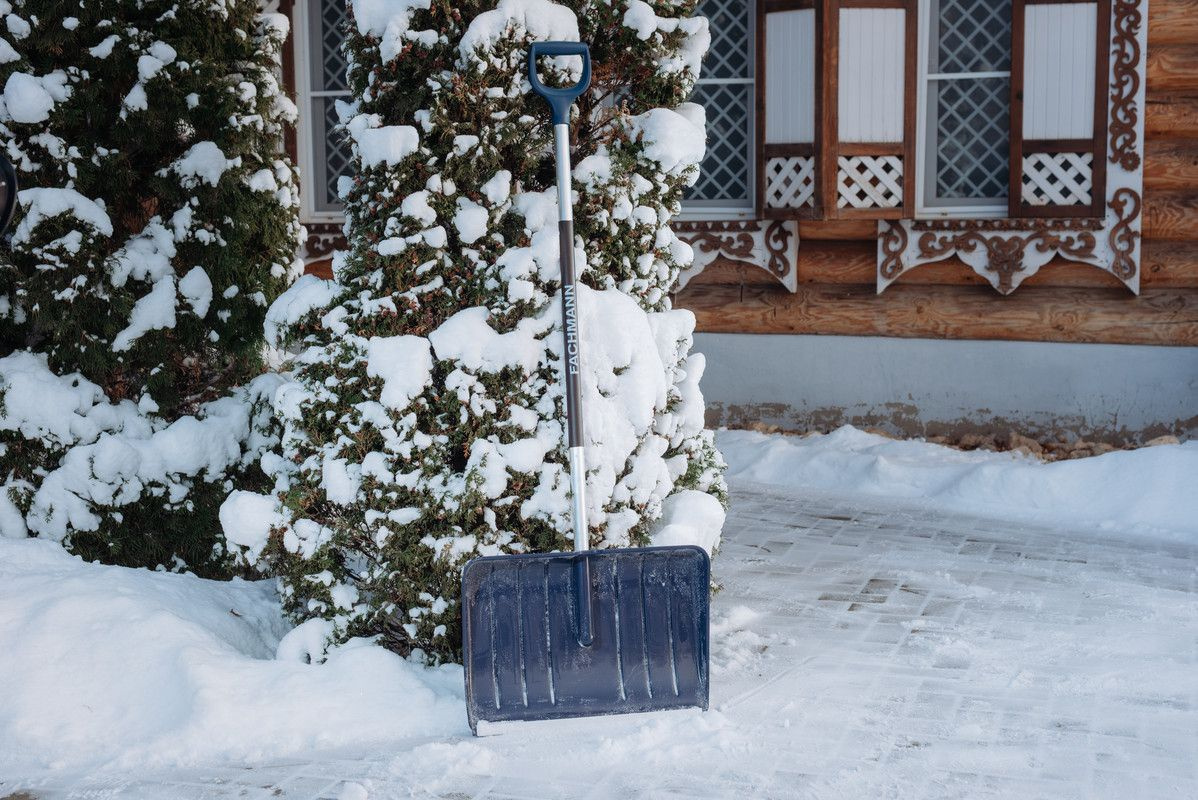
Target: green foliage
[{"x": 181, "y": 226}]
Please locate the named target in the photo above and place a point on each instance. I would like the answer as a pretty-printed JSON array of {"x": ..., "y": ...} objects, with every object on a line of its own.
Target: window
[
  {"x": 964, "y": 95},
  {"x": 726, "y": 91},
  {"x": 934, "y": 108},
  {"x": 323, "y": 156}
]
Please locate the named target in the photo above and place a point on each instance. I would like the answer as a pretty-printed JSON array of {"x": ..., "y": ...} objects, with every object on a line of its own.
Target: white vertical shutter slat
[
  {"x": 1059, "y": 65},
  {"x": 790, "y": 77},
  {"x": 871, "y": 74}
]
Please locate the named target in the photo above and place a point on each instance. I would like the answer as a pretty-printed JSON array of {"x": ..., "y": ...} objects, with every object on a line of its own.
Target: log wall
[{"x": 1064, "y": 301}]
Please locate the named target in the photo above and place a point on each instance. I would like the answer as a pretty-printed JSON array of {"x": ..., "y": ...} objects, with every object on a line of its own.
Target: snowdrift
[
  {"x": 1151, "y": 491},
  {"x": 110, "y": 667}
]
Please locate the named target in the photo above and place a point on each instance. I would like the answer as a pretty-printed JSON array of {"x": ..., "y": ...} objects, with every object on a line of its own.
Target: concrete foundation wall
[{"x": 923, "y": 387}]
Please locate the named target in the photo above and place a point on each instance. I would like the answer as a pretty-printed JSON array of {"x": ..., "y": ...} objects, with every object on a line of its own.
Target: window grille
[
  {"x": 329, "y": 153},
  {"x": 726, "y": 92}
]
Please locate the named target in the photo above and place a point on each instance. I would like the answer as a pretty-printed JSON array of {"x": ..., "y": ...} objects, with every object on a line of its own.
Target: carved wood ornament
[
  {"x": 322, "y": 239},
  {"x": 770, "y": 245},
  {"x": 1125, "y": 84}
]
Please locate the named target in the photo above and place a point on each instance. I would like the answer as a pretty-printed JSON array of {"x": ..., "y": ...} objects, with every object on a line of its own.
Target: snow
[
  {"x": 196, "y": 288},
  {"x": 124, "y": 668},
  {"x": 151, "y": 312},
  {"x": 674, "y": 139},
  {"x": 541, "y": 19},
  {"x": 40, "y": 405},
  {"x": 387, "y": 144},
  {"x": 146, "y": 256},
  {"x": 470, "y": 220},
  {"x": 405, "y": 364},
  {"x": 499, "y": 188},
  {"x": 203, "y": 162},
  {"x": 640, "y": 17},
  {"x": 340, "y": 480},
  {"x": 467, "y": 338},
  {"x": 43, "y": 204},
  {"x": 308, "y": 293},
  {"x": 104, "y": 48},
  {"x": 1149, "y": 490},
  {"x": 18, "y": 27},
  {"x": 26, "y": 99},
  {"x": 696, "y": 38},
  {"x": 115, "y": 452},
  {"x": 690, "y": 517},
  {"x": 390, "y": 21},
  {"x": 416, "y": 206},
  {"x": 247, "y": 519}
]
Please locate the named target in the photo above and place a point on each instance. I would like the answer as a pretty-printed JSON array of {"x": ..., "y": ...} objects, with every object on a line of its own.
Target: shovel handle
[{"x": 559, "y": 99}]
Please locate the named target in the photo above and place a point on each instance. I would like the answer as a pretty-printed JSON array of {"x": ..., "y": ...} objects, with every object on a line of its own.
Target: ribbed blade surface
[{"x": 520, "y": 635}]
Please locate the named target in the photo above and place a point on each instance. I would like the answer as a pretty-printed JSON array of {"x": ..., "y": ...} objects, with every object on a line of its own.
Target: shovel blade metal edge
[{"x": 520, "y": 647}]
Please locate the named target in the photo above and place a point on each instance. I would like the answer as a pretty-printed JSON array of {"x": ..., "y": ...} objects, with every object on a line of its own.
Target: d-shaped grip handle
[{"x": 559, "y": 99}]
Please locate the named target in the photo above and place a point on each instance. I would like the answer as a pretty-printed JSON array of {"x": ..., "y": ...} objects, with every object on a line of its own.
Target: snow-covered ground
[{"x": 893, "y": 628}]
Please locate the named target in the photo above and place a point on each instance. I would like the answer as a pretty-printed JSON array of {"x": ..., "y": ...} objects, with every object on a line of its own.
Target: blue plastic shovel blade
[{"x": 521, "y": 649}]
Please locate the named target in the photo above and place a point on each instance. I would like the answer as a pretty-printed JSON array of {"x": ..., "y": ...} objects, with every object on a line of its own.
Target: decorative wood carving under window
[
  {"x": 323, "y": 239},
  {"x": 769, "y": 245},
  {"x": 1078, "y": 187}
]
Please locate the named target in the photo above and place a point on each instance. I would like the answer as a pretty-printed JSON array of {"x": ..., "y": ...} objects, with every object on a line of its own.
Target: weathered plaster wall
[{"x": 923, "y": 387}]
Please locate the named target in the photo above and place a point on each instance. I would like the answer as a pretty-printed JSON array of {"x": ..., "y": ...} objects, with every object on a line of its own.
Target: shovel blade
[{"x": 523, "y": 659}]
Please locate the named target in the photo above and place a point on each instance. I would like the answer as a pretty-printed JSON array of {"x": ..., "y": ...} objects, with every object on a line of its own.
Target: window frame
[
  {"x": 925, "y": 161},
  {"x": 307, "y": 102},
  {"x": 699, "y": 210},
  {"x": 1097, "y": 144}
]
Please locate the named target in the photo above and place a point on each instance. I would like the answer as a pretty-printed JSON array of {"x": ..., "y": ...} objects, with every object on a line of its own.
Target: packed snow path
[{"x": 862, "y": 648}]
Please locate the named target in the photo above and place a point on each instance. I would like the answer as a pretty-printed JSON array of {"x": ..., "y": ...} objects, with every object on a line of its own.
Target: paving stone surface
[{"x": 861, "y": 648}]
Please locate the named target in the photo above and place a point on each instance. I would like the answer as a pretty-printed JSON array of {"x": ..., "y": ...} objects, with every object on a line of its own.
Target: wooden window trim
[
  {"x": 827, "y": 148},
  {"x": 828, "y": 131},
  {"x": 764, "y": 152},
  {"x": 1097, "y": 146}
]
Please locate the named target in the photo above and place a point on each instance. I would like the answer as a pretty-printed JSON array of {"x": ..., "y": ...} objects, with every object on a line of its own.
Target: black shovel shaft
[{"x": 565, "y": 230}]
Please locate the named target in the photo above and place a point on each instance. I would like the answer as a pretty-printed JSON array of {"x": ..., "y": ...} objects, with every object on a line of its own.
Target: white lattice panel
[
  {"x": 1058, "y": 179},
  {"x": 869, "y": 182},
  {"x": 790, "y": 182}
]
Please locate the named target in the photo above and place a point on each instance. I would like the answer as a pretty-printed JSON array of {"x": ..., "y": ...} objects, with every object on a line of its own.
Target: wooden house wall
[{"x": 837, "y": 261}]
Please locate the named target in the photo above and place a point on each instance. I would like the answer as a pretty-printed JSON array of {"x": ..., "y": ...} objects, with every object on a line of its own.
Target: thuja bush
[
  {"x": 157, "y": 221},
  {"x": 423, "y": 419}
]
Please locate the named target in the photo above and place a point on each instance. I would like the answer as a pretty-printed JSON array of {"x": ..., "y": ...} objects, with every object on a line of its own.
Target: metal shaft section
[{"x": 573, "y": 370}]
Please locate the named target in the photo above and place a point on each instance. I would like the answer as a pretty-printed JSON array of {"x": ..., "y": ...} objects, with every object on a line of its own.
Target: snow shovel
[
  {"x": 551, "y": 635},
  {"x": 8, "y": 193}
]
